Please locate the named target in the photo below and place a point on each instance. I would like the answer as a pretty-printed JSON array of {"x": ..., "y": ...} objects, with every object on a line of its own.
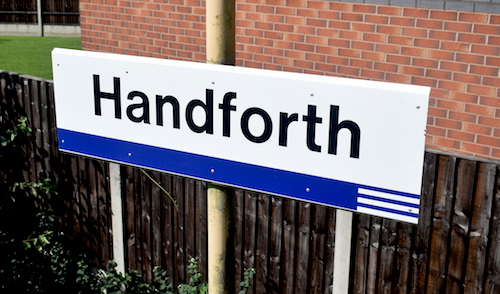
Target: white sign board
[{"x": 347, "y": 143}]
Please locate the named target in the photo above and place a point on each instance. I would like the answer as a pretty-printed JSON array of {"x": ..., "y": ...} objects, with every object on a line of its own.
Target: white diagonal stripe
[
  {"x": 388, "y": 196},
  {"x": 388, "y": 205}
]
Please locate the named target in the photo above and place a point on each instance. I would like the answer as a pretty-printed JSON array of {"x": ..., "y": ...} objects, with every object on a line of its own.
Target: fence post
[
  {"x": 221, "y": 49},
  {"x": 117, "y": 216},
  {"x": 39, "y": 16},
  {"x": 342, "y": 255}
]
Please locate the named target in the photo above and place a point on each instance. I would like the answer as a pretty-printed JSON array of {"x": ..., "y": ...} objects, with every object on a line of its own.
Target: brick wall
[{"x": 457, "y": 53}]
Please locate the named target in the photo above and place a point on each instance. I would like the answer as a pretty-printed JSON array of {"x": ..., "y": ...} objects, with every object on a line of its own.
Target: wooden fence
[
  {"x": 60, "y": 12},
  {"x": 455, "y": 248}
]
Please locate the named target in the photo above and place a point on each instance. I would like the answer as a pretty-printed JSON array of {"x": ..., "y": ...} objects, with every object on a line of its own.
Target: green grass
[{"x": 31, "y": 55}]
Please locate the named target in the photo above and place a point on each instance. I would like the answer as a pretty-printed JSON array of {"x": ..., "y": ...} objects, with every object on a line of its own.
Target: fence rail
[
  {"x": 454, "y": 248},
  {"x": 59, "y": 12}
]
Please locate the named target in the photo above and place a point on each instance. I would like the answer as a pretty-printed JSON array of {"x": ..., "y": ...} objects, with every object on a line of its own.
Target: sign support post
[
  {"x": 342, "y": 257},
  {"x": 220, "y": 27}
]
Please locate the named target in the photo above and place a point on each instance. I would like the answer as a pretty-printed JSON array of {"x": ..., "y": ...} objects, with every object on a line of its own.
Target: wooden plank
[
  {"x": 403, "y": 258},
  {"x": 262, "y": 246},
  {"x": 130, "y": 213},
  {"x": 329, "y": 251},
  {"x": 361, "y": 253},
  {"x": 289, "y": 241},
  {"x": 373, "y": 255},
  {"x": 202, "y": 227},
  {"x": 387, "y": 254},
  {"x": 167, "y": 220},
  {"x": 479, "y": 228},
  {"x": 462, "y": 210},
  {"x": 492, "y": 281},
  {"x": 179, "y": 258},
  {"x": 137, "y": 178},
  {"x": 156, "y": 195},
  {"x": 421, "y": 238},
  {"x": 145, "y": 203},
  {"x": 303, "y": 247},
  {"x": 239, "y": 237},
  {"x": 190, "y": 219},
  {"x": 275, "y": 246},
  {"x": 319, "y": 233},
  {"x": 438, "y": 254},
  {"x": 250, "y": 232}
]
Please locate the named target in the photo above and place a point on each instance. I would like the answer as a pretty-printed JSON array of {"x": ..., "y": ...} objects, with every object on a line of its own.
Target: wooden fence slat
[
  {"x": 262, "y": 246},
  {"x": 479, "y": 228},
  {"x": 373, "y": 255},
  {"x": 250, "y": 233},
  {"x": 303, "y": 247},
  {"x": 201, "y": 227},
  {"x": 387, "y": 251},
  {"x": 319, "y": 234},
  {"x": 329, "y": 251},
  {"x": 289, "y": 243},
  {"x": 461, "y": 220},
  {"x": 361, "y": 253},
  {"x": 275, "y": 246},
  {"x": 403, "y": 259},
  {"x": 492, "y": 282},
  {"x": 167, "y": 217},
  {"x": 239, "y": 237},
  {"x": 179, "y": 256},
  {"x": 156, "y": 228},
  {"x": 441, "y": 225}
]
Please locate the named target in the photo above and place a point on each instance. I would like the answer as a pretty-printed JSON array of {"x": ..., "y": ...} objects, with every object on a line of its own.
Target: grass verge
[{"x": 31, "y": 55}]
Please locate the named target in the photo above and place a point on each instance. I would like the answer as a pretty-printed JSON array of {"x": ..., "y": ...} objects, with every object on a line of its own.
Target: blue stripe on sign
[
  {"x": 380, "y": 208},
  {"x": 390, "y": 201},
  {"x": 274, "y": 181}
]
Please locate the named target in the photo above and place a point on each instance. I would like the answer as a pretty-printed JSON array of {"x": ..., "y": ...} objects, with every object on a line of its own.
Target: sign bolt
[
  {"x": 212, "y": 170},
  {"x": 129, "y": 154},
  {"x": 62, "y": 141},
  {"x": 308, "y": 190},
  {"x": 418, "y": 106}
]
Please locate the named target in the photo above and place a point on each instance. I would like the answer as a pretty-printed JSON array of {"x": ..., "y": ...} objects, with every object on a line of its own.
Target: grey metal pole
[
  {"x": 221, "y": 49},
  {"x": 39, "y": 16}
]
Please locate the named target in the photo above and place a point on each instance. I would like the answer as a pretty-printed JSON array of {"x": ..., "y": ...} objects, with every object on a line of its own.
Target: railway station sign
[{"x": 347, "y": 143}]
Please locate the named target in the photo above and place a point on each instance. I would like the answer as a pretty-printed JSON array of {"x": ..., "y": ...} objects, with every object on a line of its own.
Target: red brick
[
  {"x": 374, "y": 37},
  {"x": 453, "y": 86},
  {"x": 494, "y": 19},
  {"x": 286, "y": 10},
  {"x": 477, "y": 128},
  {"x": 349, "y": 16},
  {"x": 399, "y": 59},
  {"x": 376, "y": 19},
  {"x": 457, "y": 26},
  {"x": 319, "y": 5},
  {"x": 489, "y": 141},
  {"x": 489, "y": 121},
  {"x": 411, "y": 70},
  {"x": 442, "y": 35},
  {"x": 430, "y": 23},
  {"x": 388, "y": 29},
  {"x": 489, "y": 81},
  {"x": 479, "y": 109},
  {"x": 401, "y": 40},
  {"x": 341, "y": 6},
  {"x": 441, "y": 55},
  {"x": 326, "y": 67},
  {"x": 481, "y": 90},
  {"x": 376, "y": 56},
  {"x": 349, "y": 53},
  {"x": 462, "y": 136},
  {"x": 453, "y": 66},
  {"x": 427, "y": 43},
  {"x": 438, "y": 112},
  {"x": 493, "y": 61},
  {"x": 485, "y": 49},
  {"x": 471, "y": 38},
  {"x": 294, "y": 54},
  {"x": 415, "y": 32},
  {"x": 316, "y": 22},
  {"x": 390, "y": 10},
  {"x": 264, "y": 42},
  {"x": 487, "y": 29},
  {"x": 363, "y": 27},
  {"x": 444, "y": 15},
  {"x": 432, "y": 130},
  {"x": 295, "y": 3},
  {"x": 402, "y": 21},
  {"x": 454, "y": 46},
  {"x": 466, "y": 78},
  {"x": 327, "y": 32},
  {"x": 363, "y": 8},
  {"x": 307, "y": 13},
  {"x": 327, "y": 50},
  {"x": 473, "y": 17},
  {"x": 317, "y": 40},
  {"x": 425, "y": 62},
  {"x": 306, "y": 30},
  {"x": 416, "y": 12},
  {"x": 386, "y": 67},
  {"x": 495, "y": 153},
  {"x": 372, "y": 74},
  {"x": 337, "y": 60},
  {"x": 470, "y": 58},
  {"x": 328, "y": 14},
  {"x": 462, "y": 116},
  {"x": 388, "y": 48},
  {"x": 361, "y": 63},
  {"x": 365, "y": 46},
  {"x": 349, "y": 71},
  {"x": 464, "y": 97},
  {"x": 282, "y": 60},
  {"x": 476, "y": 149},
  {"x": 448, "y": 123},
  {"x": 315, "y": 57},
  {"x": 438, "y": 74},
  {"x": 351, "y": 35},
  {"x": 303, "y": 64},
  {"x": 444, "y": 142},
  {"x": 304, "y": 47},
  {"x": 276, "y": 18},
  {"x": 397, "y": 78},
  {"x": 490, "y": 101},
  {"x": 340, "y": 43},
  {"x": 338, "y": 24}
]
